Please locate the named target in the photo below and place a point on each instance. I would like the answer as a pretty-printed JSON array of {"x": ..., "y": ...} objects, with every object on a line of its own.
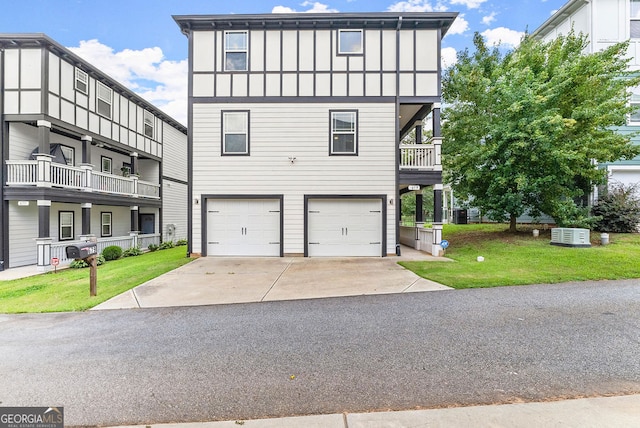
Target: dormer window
[
  {"x": 82, "y": 81},
  {"x": 350, "y": 42},
  {"x": 236, "y": 50}
]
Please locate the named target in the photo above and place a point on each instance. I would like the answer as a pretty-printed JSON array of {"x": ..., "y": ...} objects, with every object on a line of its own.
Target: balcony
[
  {"x": 42, "y": 172},
  {"x": 421, "y": 157}
]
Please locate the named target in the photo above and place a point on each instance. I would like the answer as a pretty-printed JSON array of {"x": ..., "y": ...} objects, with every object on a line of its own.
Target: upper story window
[
  {"x": 104, "y": 95},
  {"x": 350, "y": 42},
  {"x": 149, "y": 122},
  {"x": 236, "y": 50},
  {"x": 344, "y": 132},
  {"x": 106, "y": 165},
  {"x": 69, "y": 154},
  {"x": 235, "y": 132},
  {"x": 82, "y": 81},
  {"x": 634, "y": 24}
]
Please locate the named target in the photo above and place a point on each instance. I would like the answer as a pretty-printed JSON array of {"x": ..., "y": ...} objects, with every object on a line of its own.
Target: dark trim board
[
  {"x": 383, "y": 199},
  {"x": 203, "y": 215},
  {"x": 426, "y": 178},
  {"x": 75, "y": 197}
]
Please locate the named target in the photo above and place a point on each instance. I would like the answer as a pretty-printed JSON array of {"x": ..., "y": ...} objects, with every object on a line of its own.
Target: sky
[{"x": 138, "y": 43}]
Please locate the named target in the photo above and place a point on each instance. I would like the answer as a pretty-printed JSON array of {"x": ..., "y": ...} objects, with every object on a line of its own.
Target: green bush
[
  {"x": 152, "y": 247},
  {"x": 112, "y": 252},
  {"x": 181, "y": 242},
  {"x": 130, "y": 252},
  {"x": 166, "y": 244},
  {"x": 618, "y": 210},
  {"x": 79, "y": 264}
]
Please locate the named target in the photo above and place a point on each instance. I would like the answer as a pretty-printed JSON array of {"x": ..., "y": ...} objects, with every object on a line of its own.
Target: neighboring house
[
  {"x": 82, "y": 158},
  {"x": 606, "y": 22},
  {"x": 295, "y": 123}
]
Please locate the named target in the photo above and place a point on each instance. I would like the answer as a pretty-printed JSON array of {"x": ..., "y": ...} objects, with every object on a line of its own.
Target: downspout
[
  {"x": 190, "y": 197},
  {"x": 4, "y": 223}
]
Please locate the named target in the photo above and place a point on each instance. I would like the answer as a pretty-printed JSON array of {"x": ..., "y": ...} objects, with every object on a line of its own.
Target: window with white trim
[
  {"x": 235, "y": 132},
  {"x": 349, "y": 42},
  {"x": 634, "y": 116},
  {"x": 82, "y": 81},
  {"x": 149, "y": 122},
  {"x": 634, "y": 23},
  {"x": 107, "y": 165},
  {"x": 344, "y": 132},
  {"x": 236, "y": 50},
  {"x": 104, "y": 96},
  {"x": 65, "y": 222},
  {"x": 69, "y": 154},
  {"x": 105, "y": 223}
]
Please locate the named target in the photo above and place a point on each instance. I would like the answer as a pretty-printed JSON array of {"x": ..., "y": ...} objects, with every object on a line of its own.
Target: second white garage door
[
  {"x": 243, "y": 227},
  {"x": 344, "y": 227}
]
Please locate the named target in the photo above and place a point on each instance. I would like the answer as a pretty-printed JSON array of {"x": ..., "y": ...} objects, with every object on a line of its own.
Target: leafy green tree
[{"x": 524, "y": 129}]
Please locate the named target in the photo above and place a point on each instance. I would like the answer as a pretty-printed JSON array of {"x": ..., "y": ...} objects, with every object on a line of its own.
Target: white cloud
[
  {"x": 417, "y": 6},
  {"x": 449, "y": 57},
  {"x": 503, "y": 36},
  {"x": 146, "y": 72},
  {"x": 470, "y": 4},
  {"x": 316, "y": 7},
  {"x": 459, "y": 26},
  {"x": 486, "y": 20}
]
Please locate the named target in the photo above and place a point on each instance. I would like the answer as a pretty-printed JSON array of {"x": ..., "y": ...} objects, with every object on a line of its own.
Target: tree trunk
[{"x": 512, "y": 223}]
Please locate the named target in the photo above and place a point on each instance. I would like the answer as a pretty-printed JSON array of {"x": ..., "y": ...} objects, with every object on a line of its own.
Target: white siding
[
  {"x": 276, "y": 136},
  {"x": 174, "y": 207},
  {"x": 24, "y": 139},
  {"x": 175, "y": 154},
  {"x": 23, "y": 229},
  {"x": 31, "y": 69},
  {"x": 203, "y": 49},
  {"x": 120, "y": 220},
  {"x": 11, "y": 69}
]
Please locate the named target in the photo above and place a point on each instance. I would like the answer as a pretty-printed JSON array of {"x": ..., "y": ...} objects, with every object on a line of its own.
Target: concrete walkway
[
  {"x": 602, "y": 412},
  {"x": 226, "y": 280}
]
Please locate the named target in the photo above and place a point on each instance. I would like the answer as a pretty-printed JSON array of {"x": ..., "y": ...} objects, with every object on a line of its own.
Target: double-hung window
[
  {"x": 634, "y": 117},
  {"x": 106, "y": 164},
  {"x": 69, "y": 154},
  {"x": 344, "y": 132},
  {"x": 82, "y": 81},
  {"x": 105, "y": 223},
  {"x": 350, "y": 42},
  {"x": 235, "y": 132},
  {"x": 149, "y": 122},
  {"x": 104, "y": 95},
  {"x": 236, "y": 50},
  {"x": 634, "y": 23},
  {"x": 65, "y": 222}
]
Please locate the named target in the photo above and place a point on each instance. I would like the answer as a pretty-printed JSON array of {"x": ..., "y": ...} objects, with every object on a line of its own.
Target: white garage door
[
  {"x": 243, "y": 227},
  {"x": 345, "y": 227}
]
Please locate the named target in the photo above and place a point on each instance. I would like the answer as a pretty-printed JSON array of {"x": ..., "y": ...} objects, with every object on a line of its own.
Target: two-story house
[
  {"x": 606, "y": 22},
  {"x": 295, "y": 123},
  {"x": 82, "y": 158}
]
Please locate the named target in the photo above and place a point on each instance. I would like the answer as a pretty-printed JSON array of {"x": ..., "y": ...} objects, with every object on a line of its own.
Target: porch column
[
  {"x": 419, "y": 133},
  {"x": 86, "y": 149},
  {"x": 43, "y": 242},
  {"x": 44, "y": 170},
  {"x": 44, "y": 136},
  {"x": 437, "y": 203},
  {"x": 134, "y": 219},
  {"x": 435, "y": 116},
  {"x": 86, "y": 219},
  {"x": 419, "y": 210},
  {"x": 134, "y": 163},
  {"x": 436, "y": 249}
]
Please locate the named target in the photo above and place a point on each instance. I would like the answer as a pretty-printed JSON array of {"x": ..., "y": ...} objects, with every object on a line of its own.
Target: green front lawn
[
  {"x": 68, "y": 289},
  {"x": 522, "y": 259}
]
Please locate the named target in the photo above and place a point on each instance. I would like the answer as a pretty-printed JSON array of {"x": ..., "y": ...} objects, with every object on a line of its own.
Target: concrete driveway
[{"x": 224, "y": 280}]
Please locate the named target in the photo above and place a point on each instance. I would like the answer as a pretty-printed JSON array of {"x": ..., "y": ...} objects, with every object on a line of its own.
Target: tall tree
[{"x": 524, "y": 129}]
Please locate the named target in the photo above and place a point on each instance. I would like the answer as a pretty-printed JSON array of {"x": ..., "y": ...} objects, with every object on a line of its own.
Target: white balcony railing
[
  {"x": 58, "y": 249},
  {"x": 44, "y": 173},
  {"x": 426, "y": 157}
]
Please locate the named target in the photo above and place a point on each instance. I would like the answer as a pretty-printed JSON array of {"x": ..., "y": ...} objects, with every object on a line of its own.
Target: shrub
[
  {"x": 166, "y": 244},
  {"x": 152, "y": 247},
  {"x": 181, "y": 242},
  {"x": 130, "y": 252},
  {"x": 618, "y": 209},
  {"x": 112, "y": 252},
  {"x": 79, "y": 264}
]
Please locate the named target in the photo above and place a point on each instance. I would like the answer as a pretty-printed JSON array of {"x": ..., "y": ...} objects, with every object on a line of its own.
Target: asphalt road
[{"x": 354, "y": 354}]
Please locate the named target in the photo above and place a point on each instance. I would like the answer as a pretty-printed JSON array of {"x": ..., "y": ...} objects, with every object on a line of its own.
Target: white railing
[
  {"x": 58, "y": 249},
  {"x": 145, "y": 240},
  {"x": 421, "y": 156},
  {"x": 20, "y": 173},
  {"x": 25, "y": 173}
]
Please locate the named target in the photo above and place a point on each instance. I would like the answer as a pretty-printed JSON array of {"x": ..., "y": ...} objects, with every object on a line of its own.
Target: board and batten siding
[
  {"x": 174, "y": 207},
  {"x": 23, "y": 224},
  {"x": 305, "y": 63},
  {"x": 301, "y": 131}
]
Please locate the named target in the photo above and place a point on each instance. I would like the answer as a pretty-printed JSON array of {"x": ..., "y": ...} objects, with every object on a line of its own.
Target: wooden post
[{"x": 93, "y": 275}]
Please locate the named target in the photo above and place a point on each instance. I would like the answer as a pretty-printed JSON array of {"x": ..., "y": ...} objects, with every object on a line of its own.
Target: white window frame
[
  {"x": 634, "y": 19},
  {"x": 344, "y": 51},
  {"x": 104, "y": 94},
  {"x": 106, "y": 218},
  {"x": 82, "y": 78},
  {"x": 149, "y": 124},
  {"x": 634, "y": 118},
  {"x": 106, "y": 164},
  {"x": 69, "y": 154},
  {"x": 335, "y": 133},
  {"x": 226, "y": 132},
  {"x": 235, "y": 50},
  {"x": 63, "y": 223}
]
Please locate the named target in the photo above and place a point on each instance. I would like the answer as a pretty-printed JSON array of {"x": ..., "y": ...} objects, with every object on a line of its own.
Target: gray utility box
[
  {"x": 570, "y": 237},
  {"x": 81, "y": 251}
]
